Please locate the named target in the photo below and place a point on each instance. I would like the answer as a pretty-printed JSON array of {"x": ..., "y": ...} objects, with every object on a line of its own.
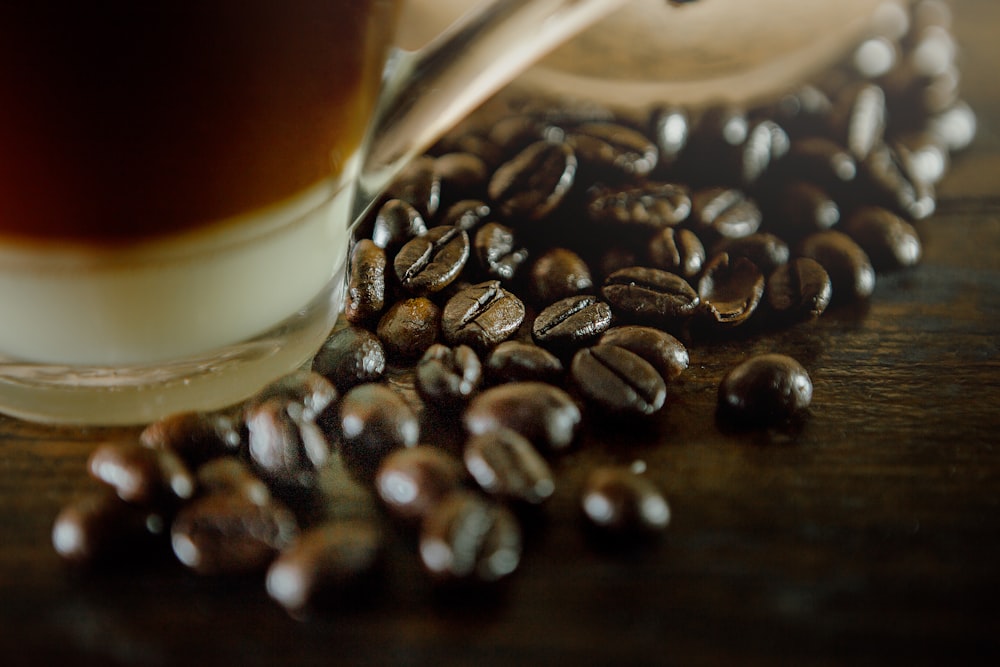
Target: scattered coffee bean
[
  {"x": 571, "y": 322},
  {"x": 765, "y": 389},
  {"x": 848, "y": 266},
  {"x": 419, "y": 185},
  {"x": 309, "y": 391},
  {"x": 730, "y": 289},
  {"x": 544, "y": 414},
  {"x": 618, "y": 502},
  {"x": 448, "y": 376},
  {"x": 858, "y": 118},
  {"x": 799, "y": 290},
  {"x": 894, "y": 185},
  {"x": 195, "y": 437},
  {"x": 366, "y": 282},
  {"x": 374, "y": 421},
  {"x": 604, "y": 148},
  {"x": 350, "y": 356},
  {"x": 396, "y": 223},
  {"x": 765, "y": 250},
  {"x": 650, "y": 295},
  {"x": 664, "y": 352},
  {"x": 497, "y": 250},
  {"x": 481, "y": 316},
  {"x": 467, "y": 214},
  {"x": 651, "y": 205},
  {"x": 430, "y": 262},
  {"x": 677, "y": 250},
  {"x": 470, "y": 539},
  {"x": 409, "y": 327},
  {"x": 506, "y": 465},
  {"x": 152, "y": 478},
  {"x": 286, "y": 446},
  {"x": 618, "y": 380},
  {"x": 516, "y": 361},
  {"x": 100, "y": 528},
  {"x": 671, "y": 126},
  {"x": 462, "y": 175},
  {"x": 888, "y": 240},
  {"x": 411, "y": 482},
  {"x": 535, "y": 182},
  {"x": 557, "y": 274},
  {"x": 724, "y": 212},
  {"x": 230, "y": 475}
]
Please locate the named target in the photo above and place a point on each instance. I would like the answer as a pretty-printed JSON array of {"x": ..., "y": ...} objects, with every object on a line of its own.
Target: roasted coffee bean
[
  {"x": 650, "y": 205},
  {"x": 411, "y": 482},
  {"x": 497, "y": 250},
  {"x": 607, "y": 148},
  {"x": 285, "y": 445},
  {"x": 350, "y": 356},
  {"x": 409, "y": 327},
  {"x": 507, "y": 466},
  {"x": 620, "y": 503},
  {"x": 419, "y": 185},
  {"x": 365, "y": 283},
  {"x": 765, "y": 389},
  {"x": 892, "y": 185},
  {"x": 462, "y": 175},
  {"x": 516, "y": 132},
  {"x": 858, "y": 118},
  {"x": 766, "y": 142},
  {"x": 231, "y": 475},
  {"x": 730, "y": 289},
  {"x": 230, "y": 534},
  {"x": 724, "y": 212},
  {"x": 571, "y": 322},
  {"x": 889, "y": 241},
  {"x": 648, "y": 294},
  {"x": 467, "y": 538},
  {"x": 671, "y": 127},
  {"x": 324, "y": 563},
  {"x": 153, "y": 478},
  {"x": 396, "y": 223},
  {"x": 481, "y": 316},
  {"x": 475, "y": 143},
  {"x": 100, "y": 528},
  {"x": 765, "y": 250},
  {"x": 799, "y": 290},
  {"x": 544, "y": 414},
  {"x": 721, "y": 124},
  {"x": 194, "y": 436},
  {"x": 955, "y": 126},
  {"x": 803, "y": 111},
  {"x": 677, "y": 250},
  {"x": 374, "y": 421},
  {"x": 800, "y": 208},
  {"x": 874, "y": 57},
  {"x": 664, "y": 352},
  {"x": 558, "y": 273},
  {"x": 309, "y": 390},
  {"x": 430, "y": 262},
  {"x": 924, "y": 155},
  {"x": 467, "y": 214},
  {"x": 448, "y": 376},
  {"x": 618, "y": 257},
  {"x": 821, "y": 161},
  {"x": 516, "y": 361},
  {"x": 533, "y": 183},
  {"x": 847, "y": 264},
  {"x": 618, "y": 380}
]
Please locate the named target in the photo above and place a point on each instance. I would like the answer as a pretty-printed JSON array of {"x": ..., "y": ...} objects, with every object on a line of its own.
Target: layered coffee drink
[{"x": 173, "y": 180}]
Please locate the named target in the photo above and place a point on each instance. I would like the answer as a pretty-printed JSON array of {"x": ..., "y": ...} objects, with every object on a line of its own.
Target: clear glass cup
[{"x": 178, "y": 180}]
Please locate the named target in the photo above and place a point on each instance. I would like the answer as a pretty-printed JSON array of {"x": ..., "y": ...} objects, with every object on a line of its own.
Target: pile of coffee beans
[{"x": 533, "y": 269}]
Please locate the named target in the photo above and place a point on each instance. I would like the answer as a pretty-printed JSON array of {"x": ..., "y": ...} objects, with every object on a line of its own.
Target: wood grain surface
[{"x": 868, "y": 535}]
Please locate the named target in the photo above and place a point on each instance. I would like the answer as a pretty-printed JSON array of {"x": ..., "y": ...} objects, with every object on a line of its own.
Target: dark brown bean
[
  {"x": 517, "y": 361},
  {"x": 373, "y": 422},
  {"x": 467, "y": 214},
  {"x": 858, "y": 118},
  {"x": 618, "y": 502},
  {"x": 462, "y": 175},
  {"x": 506, "y": 465},
  {"x": 821, "y": 161},
  {"x": 558, "y": 273},
  {"x": 366, "y": 282},
  {"x": 470, "y": 539},
  {"x": 649, "y": 294},
  {"x": 571, "y": 322},
  {"x": 724, "y": 212},
  {"x": 618, "y": 380},
  {"x": 544, "y": 414},
  {"x": 430, "y": 262},
  {"x": 154, "y": 478},
  {"x": 800, "y": 208},
  {"x": 677, "y": 250},
  {"x": 286, "y": 446},
  {"x": 411, "y": 482},
  {"x": 481, "y": 316},
  {"x": 765, "y": 389},
  {"x": 396, "y": 223},
  {"x": 533, "y": 183},
  {"x": 419, "y": 185},
  {"x": 409, "y": 327},
  {"x": 350, "y": 356},
  {"x": 731, "y": 290},
  {"x": 892, "y": 184},
  {"x": 671, "y": 126},
  {"x": 231, "y": 475},
  {"x": 651, "y": 205},
  {"x": 448, "y": 376},
  {"x": 799, "y": 290},
  {"x": 664, "y": 352},
  {"x": 889, "y": 241},
  {"x": 608, "y": 147},
  {"x": 308, "y": 389},
  {"x": 765, "y": 250},
  {"x": 100, "y": 528},
  {"x": 497, "y": 250},
  {"x": 847, "y": 264},
  {"x": 194, "y": 436}
]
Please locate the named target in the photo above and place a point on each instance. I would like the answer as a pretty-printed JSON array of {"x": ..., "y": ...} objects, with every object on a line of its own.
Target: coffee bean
[
  {"x": 818, "y": 160},
  {"x": 470, "y": 539},
  {"x": 152, "y": 478},
  {"x": 766, "y": 143},
  {"x": 889, "y": 241},
  {"x": 507, "y": 466},
  {"x": 194, "y": 436},
  {"x": 651, "y": 205},
  {"x": 765, "y": 389},
  {"x": 350, "y": 356},
  {"x": 324, "y": 563},
  {"x": 285, "y": 445},
  {"x": 544, "y": 414},
  {"x": 100, "y": 528},
  {"x": 411, "y": 482},
  {"x": 557, "y": 274},
  {"x": 955, "y": 126},
  {"x": 448, "y": 376},
  {"x": 803, "y": 112},
  {"x": 419, "y": 185},
  {"x": 677, "y": 250},
  {"x": 847, "y": 264},
  {"x": 799, "y": 290},
  {"x": 731, "y": 289},
  {"x": 924, "y": 155},
  {"x": 309, "y": 390},
  {"x": 571, "y": 322},
  {"x": 516, "y": 361},
  {"x": 618, "y": 502},
  {"x": 765, "y": 250},
  {"x": 366, "y": 282},
  {"x": 396, "y": 223},
  {"x": 430, "y": 262},
  {"x": 516, "y": 132},
  {"x": 858, "y": 118},
  {"x": 648, "y": 294},
  {"x": 800, "y": 208},
  {"x": 671, "y": 127},
  {"x": 467, "y": 214},
  {"x": 892, "y": 184},
  {"x": 481, "y": 316},
  {"x": 497, "y": 250},
  {"x": 607, "y": 148},
  {"x": 724, "y": 212},
  {"x": 535, "y": 182},
  {"x": 373, "y": 422},
  {"x": 230, "y": 534},
  {"x": 664, "y": 352},
  {"x": 231, "y": 475},
  {"x": 462, "y": 175},
  {"x": 409, "y": 327},
  {"x": 618, "y": 380}
]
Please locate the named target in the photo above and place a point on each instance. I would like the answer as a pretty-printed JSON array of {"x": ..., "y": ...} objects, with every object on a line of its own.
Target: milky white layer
[{"x": 171, "y": 299}]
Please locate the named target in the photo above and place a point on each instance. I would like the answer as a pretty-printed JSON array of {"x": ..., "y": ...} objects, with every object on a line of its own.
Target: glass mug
[{"x": 178, "y": 179}]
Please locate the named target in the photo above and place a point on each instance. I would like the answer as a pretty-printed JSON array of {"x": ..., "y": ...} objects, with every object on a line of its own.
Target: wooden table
[{"x": 871, "y": 536}]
